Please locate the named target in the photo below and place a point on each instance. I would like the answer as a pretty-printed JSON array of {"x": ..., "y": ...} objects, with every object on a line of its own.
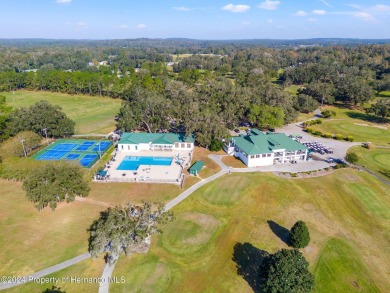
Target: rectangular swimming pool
[{"x": 132, "y": 163}]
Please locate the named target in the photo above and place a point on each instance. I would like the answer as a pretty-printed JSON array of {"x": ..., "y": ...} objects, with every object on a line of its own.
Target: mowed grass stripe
[
  {"x": 327, "y": 209},
  {"x": 339, "y": 261},
  {"x": 92, "y": 114}
]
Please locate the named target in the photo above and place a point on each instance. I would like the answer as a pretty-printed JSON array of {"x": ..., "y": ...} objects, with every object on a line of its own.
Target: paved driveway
[{"x": 339, "y": 147}]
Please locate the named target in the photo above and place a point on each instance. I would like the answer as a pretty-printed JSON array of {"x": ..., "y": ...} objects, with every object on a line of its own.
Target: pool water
[{"x": 133, "y": 162}]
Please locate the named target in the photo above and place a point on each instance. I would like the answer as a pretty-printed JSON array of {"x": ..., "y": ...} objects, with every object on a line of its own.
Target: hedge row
[
  {"x": 329, "y": 135},
  {"x": 311, "y": 122}
]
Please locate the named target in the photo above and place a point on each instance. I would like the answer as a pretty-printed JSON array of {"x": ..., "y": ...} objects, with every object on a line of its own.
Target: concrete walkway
[{"x": 46, "y": 271}]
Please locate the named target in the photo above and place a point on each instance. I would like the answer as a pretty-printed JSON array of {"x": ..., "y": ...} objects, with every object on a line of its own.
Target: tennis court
[{"x": 87, "y": 152}]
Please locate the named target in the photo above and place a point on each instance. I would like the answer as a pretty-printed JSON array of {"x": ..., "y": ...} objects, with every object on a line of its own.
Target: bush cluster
[
  {"x": 328, "y": 113},
  {"x": 329, "y": 135},
  {"x": 311, "y": 122}
]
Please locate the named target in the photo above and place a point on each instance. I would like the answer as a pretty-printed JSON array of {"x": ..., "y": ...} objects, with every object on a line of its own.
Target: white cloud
[
  {"x": 181, "y": 8},
  {"x": 63, "y": 1},
  {"x": 319, "y": 12},
  {"x": 364, "y": 16},
  {"x": 326, "y": 3},
  {"x": 300, "y": 13},
  {"x": 381, "y": 8},
  {"x": 141, "y": 26},
  {"x": 236, "y": 8},
  {"x": 123, "y": 26},
  {"x": 269, "y": 5}
]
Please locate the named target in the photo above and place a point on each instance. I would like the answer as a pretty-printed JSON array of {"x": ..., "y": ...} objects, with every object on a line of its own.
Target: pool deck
[{"x": 148, "y": 173}]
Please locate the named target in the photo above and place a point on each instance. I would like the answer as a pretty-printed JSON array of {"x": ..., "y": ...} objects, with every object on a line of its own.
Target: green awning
[{"x": 195, "y": 168}]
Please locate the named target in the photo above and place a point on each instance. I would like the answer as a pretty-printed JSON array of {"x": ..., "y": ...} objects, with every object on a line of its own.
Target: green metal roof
[
  {"x": 154, "y": 138},
  {"x": 195, "y": 168},
  {"x": 257, "y": 142}
]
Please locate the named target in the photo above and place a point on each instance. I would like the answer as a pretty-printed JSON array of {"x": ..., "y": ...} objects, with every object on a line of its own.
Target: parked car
[{"x": 237, "y": 130}]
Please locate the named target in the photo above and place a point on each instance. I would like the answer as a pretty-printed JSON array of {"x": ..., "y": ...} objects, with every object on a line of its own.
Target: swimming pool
[{"x": 133, "y": 162}]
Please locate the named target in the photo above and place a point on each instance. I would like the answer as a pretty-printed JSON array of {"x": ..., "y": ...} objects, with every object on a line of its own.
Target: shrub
[
  {"x": 327, "y": 135},
  {"x": 216, "y": 145},
  {"x": 299, "y": 235},
  {"x": 317, "y": 132},
  {"x": 328, "y": 113},
  {"x": 338, "y": 137},
  {"x": 318, "y": 121},
  {"x": 352, "y": 157},
  {"x": 350, "y": 138}
]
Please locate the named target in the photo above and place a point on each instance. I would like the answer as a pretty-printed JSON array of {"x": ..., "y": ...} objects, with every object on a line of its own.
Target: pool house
[
  {"x": 141, "y": 141},
  {"x": 150, "y": 157},
  {"x": 258, "y": 148}
]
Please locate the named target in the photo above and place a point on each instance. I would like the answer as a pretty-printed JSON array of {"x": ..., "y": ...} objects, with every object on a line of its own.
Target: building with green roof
[
  {"x": 142, "y": 141},
  {"x": 263, "y": 149}
]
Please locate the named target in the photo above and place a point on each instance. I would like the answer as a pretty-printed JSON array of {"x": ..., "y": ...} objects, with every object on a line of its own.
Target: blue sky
[{"x": 200, "y": 19}]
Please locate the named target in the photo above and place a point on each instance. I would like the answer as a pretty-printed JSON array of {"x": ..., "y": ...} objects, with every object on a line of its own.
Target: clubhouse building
[
  {"x": 264, "y": 149},
  {"x": 141, "y": 141}
]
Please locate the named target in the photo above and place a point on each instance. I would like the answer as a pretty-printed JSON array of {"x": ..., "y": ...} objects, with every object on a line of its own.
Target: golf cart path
[{"x": 47, "y": 271}]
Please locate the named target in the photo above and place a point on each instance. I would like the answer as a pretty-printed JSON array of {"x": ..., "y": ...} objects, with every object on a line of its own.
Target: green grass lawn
[
  {"x": 374, "y": 159},
  {"x": 363, "y": 127},
  {"x": 347, "y": 213},
  {"x": 384, "y": 94},
  {"x": 292, "y": 89},
  {"x": 338, "y": 260},
  {"x": 91, "y": 114},
  {"x": 32, "y": 240}
]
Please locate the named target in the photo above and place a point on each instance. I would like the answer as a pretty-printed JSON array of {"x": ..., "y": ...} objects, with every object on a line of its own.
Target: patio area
[{"x": 147, "y": 173}]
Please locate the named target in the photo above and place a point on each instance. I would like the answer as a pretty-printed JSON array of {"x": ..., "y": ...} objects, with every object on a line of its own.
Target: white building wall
[
  {"x": 183, "y": 146},
  {"x": 261, "y": 161},
  {"x": 147, "y": 146}
]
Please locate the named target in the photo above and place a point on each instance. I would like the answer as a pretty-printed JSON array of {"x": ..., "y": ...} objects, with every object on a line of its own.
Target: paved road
[{"x": 47, "y": 271}]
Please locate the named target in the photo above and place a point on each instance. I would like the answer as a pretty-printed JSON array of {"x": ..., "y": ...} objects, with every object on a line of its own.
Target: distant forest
[{"x": 204, "y": 87}]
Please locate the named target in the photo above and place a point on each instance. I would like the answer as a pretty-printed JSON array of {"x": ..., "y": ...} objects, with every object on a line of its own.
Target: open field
[
  {"x": 363, "y": 127},
  {"x": 374, "y": 159},
  {"x": 91, "y": 114},
  {"x": 32, "y": 240},
  {"x": 347, "y": 212}
]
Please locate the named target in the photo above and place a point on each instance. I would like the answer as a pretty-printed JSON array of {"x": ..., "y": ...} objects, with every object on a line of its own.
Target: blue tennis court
[
  {"x": 52, "y": 155},
  {"x": 64, "y": 147},
  {"x": 72, "y": 157},
  {"x": 86, "y": 152},
  {"x": 87, "y": 160},
  {"x": 102, "y": 146}
]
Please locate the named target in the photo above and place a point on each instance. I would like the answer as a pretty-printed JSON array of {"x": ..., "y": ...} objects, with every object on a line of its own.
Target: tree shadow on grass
[
  {"x": 280, "y": 231},
  {"x": 366, "y": 117},
  {"x": 248, "y": 261}
]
